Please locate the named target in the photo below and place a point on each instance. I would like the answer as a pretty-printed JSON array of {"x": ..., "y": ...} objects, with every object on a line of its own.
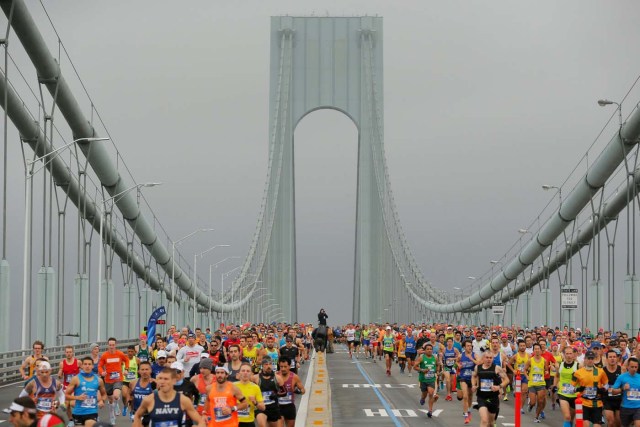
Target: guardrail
[{"x": 11, "y": 361}]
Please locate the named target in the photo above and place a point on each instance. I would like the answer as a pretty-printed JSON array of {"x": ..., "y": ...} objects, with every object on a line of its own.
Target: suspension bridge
[{"x": 85, "y": 212}]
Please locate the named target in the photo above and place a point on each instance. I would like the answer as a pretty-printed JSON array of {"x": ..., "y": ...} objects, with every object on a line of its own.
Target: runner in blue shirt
[{"x": 629, "y": 385}]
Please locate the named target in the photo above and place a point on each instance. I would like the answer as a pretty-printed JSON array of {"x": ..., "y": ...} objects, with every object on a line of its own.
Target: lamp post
[
  {"x": 173, "y": 268},
  {"x": 103, "y": 209},
  {"x": 222, "y": 276},
  {"x": 211, "y": 266},
  {"x": 195, "y": 278},
  {"x": 605, "y": 102},
  {"x": 29, "y": 173}
]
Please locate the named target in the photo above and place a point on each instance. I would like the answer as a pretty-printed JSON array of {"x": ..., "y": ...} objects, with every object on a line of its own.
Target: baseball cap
[
  {"x": 388, "y": 328},
  {"x": 206, "y": 364},
  {"x": 161, "y": 353},
  {"x": 177, "y": 366},
  {"x": 222, "y": 368},
  {"x": 143, "y": 336},
  {"x": 596, "y": 344},
  {"x": 504, "y": 336},
  {"x": 266, "y": 360},
  {"x": 44, "y": 366},
  {"x": 21, "y": 404},
  {"x": 191, "y": 335},
  {"x": 590, "y": 355}
]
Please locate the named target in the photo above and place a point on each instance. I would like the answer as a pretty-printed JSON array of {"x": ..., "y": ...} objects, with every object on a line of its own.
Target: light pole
[
  {"x": 222, "y": 276},
  {"x": 547, "y": 187},
  {"x": 211, "y": 266},
  {"x": 605, "y": 102},
  {"x": 173, "y": 268},
  {"x": 103, "y": 209},
  {"x": 261, "y": 304},
  {"x": 195, "y": 278},
  {"x": 29, "y": 173}
]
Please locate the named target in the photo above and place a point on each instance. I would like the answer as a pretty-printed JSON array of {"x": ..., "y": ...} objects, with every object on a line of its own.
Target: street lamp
[
  {"x": 211, "y": 281},
  {"x": 173, "y": 269},
  {"x": 222, "y": 276},
  {"x": 103, "y": 209},
  {"x": 605, "y": 102},
  {"x": 195, "y": 277},
  {"x": 29, "y": 173}
]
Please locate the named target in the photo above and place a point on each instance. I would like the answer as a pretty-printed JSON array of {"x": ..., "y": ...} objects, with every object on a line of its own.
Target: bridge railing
[{"x": 11, "y": 361}]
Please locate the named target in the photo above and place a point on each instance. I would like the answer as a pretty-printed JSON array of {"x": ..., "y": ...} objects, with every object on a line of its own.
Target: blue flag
[{"x": 151, "y": 326}]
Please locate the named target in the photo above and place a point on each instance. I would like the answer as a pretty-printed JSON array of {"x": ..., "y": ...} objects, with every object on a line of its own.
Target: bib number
[
  {"x": 568, "y": 389},
  {"x": 267, "y": 396},
  {"x": 220, "y": 416},
  {"x": 590, "y": 392},
  {"x": 537, "y": 378},
  {"x": 633, "y": 395},
  {"x": 44, "y": 404},
  {"x": 89, "y": 402},
  {"x": 114, "y": 375},
  {"x": 286, "y": 400},
  {"x": 131, "y": 376},
  {"x": 486, "y": 384}
]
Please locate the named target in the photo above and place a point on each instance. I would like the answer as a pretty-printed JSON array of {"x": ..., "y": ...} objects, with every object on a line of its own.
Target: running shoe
[
  {"x": 522, "y": 410},
  {"x": 116, "y": 408},
  {"x": 506, "y": 398},
  {"x": 467, "y": 420},
  {"x": 124, "y": 410},
  {"x": 542, "y": 415},
  {"x": 429, "y": 414},
  {"x": 536, "y": 420},
  {"x": 448, "y": 398},
  {"x": 422, "y": 402},
  {"x": 71, "y": 424},
  {"x": 388, "y": 372}
]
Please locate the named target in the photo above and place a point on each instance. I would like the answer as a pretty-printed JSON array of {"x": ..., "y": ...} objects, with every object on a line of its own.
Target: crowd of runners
[
  {"x": 236, "y": 376},
  {"x": 247, "y": 375},
  {"x": 481, "y": 364}
]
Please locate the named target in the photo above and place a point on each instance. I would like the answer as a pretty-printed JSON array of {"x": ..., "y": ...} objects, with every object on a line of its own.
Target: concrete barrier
[{"x": 319, "y": 407}]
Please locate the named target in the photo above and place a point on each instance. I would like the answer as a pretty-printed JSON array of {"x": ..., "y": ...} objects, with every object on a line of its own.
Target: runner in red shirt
[{"x": 69, "y": 368}]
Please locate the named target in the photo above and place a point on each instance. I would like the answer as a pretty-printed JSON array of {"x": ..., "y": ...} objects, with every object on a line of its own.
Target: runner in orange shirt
[{"x": 110, "y": 368}]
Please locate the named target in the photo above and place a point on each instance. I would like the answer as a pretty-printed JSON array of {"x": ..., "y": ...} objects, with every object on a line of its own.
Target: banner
[{"x": 151, "y": 325}]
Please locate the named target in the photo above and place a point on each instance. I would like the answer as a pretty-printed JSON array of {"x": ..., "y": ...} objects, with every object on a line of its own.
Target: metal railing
[{"x": 11, "y": 361}]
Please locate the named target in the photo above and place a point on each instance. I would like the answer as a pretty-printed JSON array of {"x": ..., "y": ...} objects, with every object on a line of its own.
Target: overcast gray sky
[{"x": 484, "y": 103}]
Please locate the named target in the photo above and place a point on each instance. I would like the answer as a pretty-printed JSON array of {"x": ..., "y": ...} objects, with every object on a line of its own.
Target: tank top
[
  {"x": 220, "y": 399},
  {"x": 521, "y": 361},
  {"x": 536, "y": 372},
  {"x": 69, "y": 370},
  {"x": 285, "y": 396},
  {"x": 89, "y": 386},
  {"x": 202, "y": 389},
  {"x": 44, "y": 397},
  {"x": 506, "y": 349},
  {"x": 450, "y": 358},
  {"x": 140, "y": 393},
  {"x": 250, "y": 355},
  {"x": 132, "y": 373},
  {"x": 486, "y": 379},
  {"x": 565, "y": 385},
  {"x": 269, "y": 389},
  {"x": 611, "y": 380},
  {"x": 387, "y": 343},
  {"x": 166, "y": 414},
  {"x": 273, "y": 354},
  {"x": 466, "y": 367},
  {"x": 411, "y": 345},
  {"x": 497, "y": 359},
  {"x": 143, "y": 354},
  {"x": 233, "y": 373}
]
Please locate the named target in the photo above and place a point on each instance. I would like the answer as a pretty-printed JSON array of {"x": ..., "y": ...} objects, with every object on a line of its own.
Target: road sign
[
  {"x": 498, "y": 309},
  {"x": 569, "y": 298}
]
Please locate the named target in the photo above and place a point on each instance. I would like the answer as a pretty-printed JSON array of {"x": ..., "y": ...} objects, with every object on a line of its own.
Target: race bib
[
  {"x": 537, "y": 378},
  {"x": 286, "y": 399},
  {"x": 267, "y": 396},
  {"x": 202, "y": 400},
  {"x": 167, "y": 423},
  {"x": 590, "y": 392},
  {"x": 568, "y": 389},
  {"x": 466, "y": 373},
  {"x": 450, "y": 361},
  {"x": 89, "y": 402},
  {"x": 220, "y": 416},
  {"x": 486, "y": 384},
  {"x": 44, "y": 404},
  {"x": 67, "y": 378},
  {"x": 131, "y": 376},
  {"x": 243, "y": 412},
  {"x": 114, "y": 375},
  {"x": 430, "y": 374},
  {"x": 633, "y": 395}
]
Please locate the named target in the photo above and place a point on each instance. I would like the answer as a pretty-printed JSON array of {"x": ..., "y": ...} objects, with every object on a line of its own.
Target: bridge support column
[
  {"x": 128, "y": 312},
  {"x": 631, "y": 304},
  {"x": 595, "y": 316},
  {"x": 5, "y": 303},
  {"x": 546, "y": 307},
  {"x": 81, "y": 306},
  {"x": 46, "y": 302},
  {"x": 107, "y": 317}
]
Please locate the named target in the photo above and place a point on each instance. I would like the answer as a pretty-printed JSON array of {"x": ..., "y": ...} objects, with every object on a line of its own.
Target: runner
[
  {"x": 140, "y": 388},
  {"x": 166, "y": 407},
  {"x": 271, "y": 351},
  {"x": 83, "y": 391},
  {"x": 142, "y": 349},
  {"x": 611, "y": 402},
  {"x": 30, "y": 361},
  {"x": 292, "y": 353},
  {"x": 189, "y": 355},
  {"x": 43, "y": 390},
  {"x": 563, "y": 385},
  {"x": 95, "y": 356},
  {"x": 69, "y": 367},
  {"x": 537, "y": 367},
  {"x": 488, "y": 380},
  {"x": 366, "y": 343},
  {"x": 554, "y": 373},
  {"x": 519, "y": 361},
  {"x": 269, "y": 385},
  {"x": 291, "y": 384},
  {"x": 589, "y": 380},
  {"x": 110, "y": 368},
  {"x": 234, "y": 363},
  {"x": 252, "y": 392},
  {"x": 129, "y": 375},
  {"x": 224, "y": 400},
  {"x": 467, "y": 366},
  {"x": 401, "y": 346},
  {"x": 411, "y": 350},
  {"x": 451, "y": 358},
  {"x": 350, "y": 333},
  {"x": 428, "y": 367},
  {"x": 159, "y": 364},
  {"x": 388, "y": 347},
  {"x": 202, "y": 380},
  {"x": 628, "y": 384},
  {"x": 251, "y": 354}
]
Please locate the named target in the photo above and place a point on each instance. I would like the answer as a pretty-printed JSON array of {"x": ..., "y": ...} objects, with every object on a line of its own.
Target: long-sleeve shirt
[{"x": 111, "y": 364}]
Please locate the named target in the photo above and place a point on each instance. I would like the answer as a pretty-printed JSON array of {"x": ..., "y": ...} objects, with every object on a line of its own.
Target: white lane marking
[
  {"x": 301, "y": 416},
  {"x": 400, "y": 413}
]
